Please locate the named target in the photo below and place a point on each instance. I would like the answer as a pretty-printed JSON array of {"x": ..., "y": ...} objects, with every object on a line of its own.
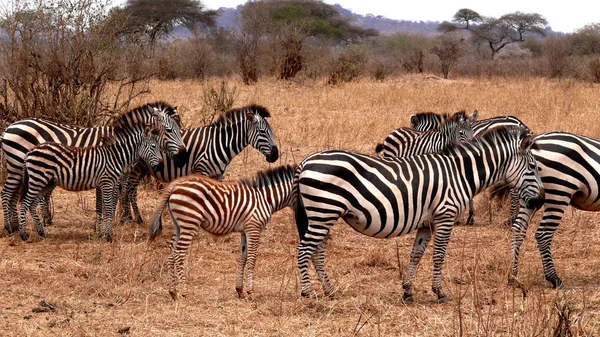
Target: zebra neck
[
  {"x": 489, "y": 167},
  {"x": 277, "y": 196},
  {"x": 230, "y": 139},
  {"x": 123, "y": 152}
]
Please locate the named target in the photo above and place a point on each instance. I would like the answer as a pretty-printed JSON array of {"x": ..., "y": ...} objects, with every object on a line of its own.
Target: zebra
[
  {"x": 246, "y": 206},
  {"x": 211, "y": 148},
  {"x": 406, "y": 142},
  {"x": 22, "y": 136},
  {"x": 570, "y": 171},
  {"x": 428, "y": 120},
  {"x": 82, "y": 168},
  {"x": 424, "y": 121},
  {"x": 388, "y": 197}
]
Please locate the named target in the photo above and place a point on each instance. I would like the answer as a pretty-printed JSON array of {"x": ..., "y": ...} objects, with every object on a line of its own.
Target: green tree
[
  {"x": 157, "y": 18},
  {"x": 496, "y": 32},
  {"x": 289, "y": 23}
]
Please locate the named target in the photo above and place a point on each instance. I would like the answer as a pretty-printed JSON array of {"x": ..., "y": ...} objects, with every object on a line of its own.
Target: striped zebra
[
  {"x": 211, "y": 148},
  {"x": 388, "y": 197},
  {"x": 570, "y": 171},
  {"x": 48, "y": 165},
  {"x": 424, "y": 121},
  {"x": 220, "y": 208},
  {"x": 428, "y": 120},
  {"x": 22, "y": 136},
  {"x": 406, "y": 142}
]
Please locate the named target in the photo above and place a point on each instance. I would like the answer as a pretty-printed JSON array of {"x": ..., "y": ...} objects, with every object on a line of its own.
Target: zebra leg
[
  {"x": 175, "y": 265},
  {"x": 440, "y": 243},
  {"x": 307, "y": 247},
  {"x": 253, "y": 240},
  {"x": 125, "y": 215},
  {"x": 134, "y": 205},
  {"x": 99, "y": 208},
  {"x": 544, "y": 236},
  {"x": 109, "y": 203},
  {"x": 45, "y": 205},
  {"x": 239, "y": 284},
  {"x": 421, "y": 240},
  {"x": 9, "y": 201},
  {"x": 25, "y": 207},
  {"x": 318, "y": 260},
  {"x": 470, "y": 221},
  {"x": 519, "y": 231},
  {"x": 514, "y": 208}
]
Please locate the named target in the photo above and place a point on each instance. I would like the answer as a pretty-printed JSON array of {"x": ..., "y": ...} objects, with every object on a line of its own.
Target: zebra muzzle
[
  {"x": 182, "y": 157},
  {"x": 159, "y": 167},
  {"x": 273, "y": 155}
]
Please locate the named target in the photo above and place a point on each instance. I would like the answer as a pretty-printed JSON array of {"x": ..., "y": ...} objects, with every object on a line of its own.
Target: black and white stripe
[
  {"x": 220, "y": 208},
  {"x": 570, "y": 171},
  {"x": 211, "y": 148},
  {"x": 425, "y": 121},
  {"x": 48, "y": 165},
  {"x": 388, "y": 197},
  {"x": 22, "y": 136},
  {"x": 406, "y": 142}
]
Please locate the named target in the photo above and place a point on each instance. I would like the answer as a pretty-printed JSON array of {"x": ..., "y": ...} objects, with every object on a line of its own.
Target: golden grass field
[{"x": 99, "y": 288}]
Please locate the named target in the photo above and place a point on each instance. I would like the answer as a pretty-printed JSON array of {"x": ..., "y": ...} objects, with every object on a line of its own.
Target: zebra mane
[
  {"x": 133, "y": 118},
  {"x": 500, "y": 134},
  {"x": 456, "y": 117},
  {"x": 418, "y": 118},
  {"x": 235, "y": 115},
  {"x": 271, "y": 176}
]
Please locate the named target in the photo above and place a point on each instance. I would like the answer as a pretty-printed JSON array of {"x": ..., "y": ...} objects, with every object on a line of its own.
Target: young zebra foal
[
  {"x": 78, "y": 169},
  {"x": 245, "y": 206}
]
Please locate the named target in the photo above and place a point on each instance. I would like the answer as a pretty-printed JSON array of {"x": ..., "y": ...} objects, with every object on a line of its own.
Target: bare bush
[
  {"x": 349, "y": 65},
  {"x": 449, "y": 49},
  {"x": 217, "y": 101},
  {"x": 57, "y": 60},
  {"x": 558, "y": 56}
]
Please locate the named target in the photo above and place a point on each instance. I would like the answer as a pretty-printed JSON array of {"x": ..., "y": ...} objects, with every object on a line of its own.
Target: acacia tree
[
  {"x": 449, "y": 49},
  {"x": 496, "y": 32},
  {"x": 287, "y": 24},
  {"x": 157, "y": 18}
]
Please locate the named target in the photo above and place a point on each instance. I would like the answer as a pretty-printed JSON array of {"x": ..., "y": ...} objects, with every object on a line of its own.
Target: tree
[
  {"x": 586, "y": 40},
  {"x": 289, "y": 23},
  {"x": 157, "y": 18},
  {"x": 449, "y": 49},
  {"x": 496, "y": 32}
]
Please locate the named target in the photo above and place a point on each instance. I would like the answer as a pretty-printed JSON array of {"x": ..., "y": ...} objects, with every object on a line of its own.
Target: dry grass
[{"x": 98, "y": 288}]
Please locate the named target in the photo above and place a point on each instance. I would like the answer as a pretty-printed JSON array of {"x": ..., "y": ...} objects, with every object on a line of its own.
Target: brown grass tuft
[{"x": 98, "y": 288}]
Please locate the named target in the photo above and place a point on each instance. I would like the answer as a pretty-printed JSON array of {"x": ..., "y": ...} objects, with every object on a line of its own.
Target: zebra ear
[
  {"x": 250, "y": 116},
  {"x": 379, "y": 148},
  {"x": 414, "y": 121},
  {"x": 528, "y": 143},
  {"x": 473, "y": 116}
]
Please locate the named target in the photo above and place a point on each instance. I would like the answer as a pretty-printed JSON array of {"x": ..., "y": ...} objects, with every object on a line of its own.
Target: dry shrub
[
  {"x": 349, "y": 65},
  {"x": 594, "y": 66},
  {"x": 216, "y": 101}
]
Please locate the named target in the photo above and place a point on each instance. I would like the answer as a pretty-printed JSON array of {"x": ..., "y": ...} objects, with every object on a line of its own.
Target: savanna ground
[{"x": 97, "y": 288}]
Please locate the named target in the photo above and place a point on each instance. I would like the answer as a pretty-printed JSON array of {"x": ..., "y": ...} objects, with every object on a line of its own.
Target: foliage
[
  {"x": 349, "y": 65},
  {"x": 216, "y": 101},
  {"x": 449, "y": 49},
  {"x": 288, "y": 23},
  {"x": 56, "y": 61},
  {"x": 496, "y": 32},
  {"x": 157, "y": 18},
  {"x": 586, "y": 41}
]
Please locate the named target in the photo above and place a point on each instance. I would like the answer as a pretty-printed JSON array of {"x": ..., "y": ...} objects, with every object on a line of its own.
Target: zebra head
[
  {"x": 260, "y": 133},
  {"x": 458, "y": 127},
  {"x": 522, "y": 172},
  {"x": 168, "y": 122},
  {"x": 424, "y": 121},
  {"x": 149, "y": 148}
]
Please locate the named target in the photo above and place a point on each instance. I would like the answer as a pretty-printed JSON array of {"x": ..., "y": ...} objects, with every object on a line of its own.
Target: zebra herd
[{"x": 420, "y": 179}]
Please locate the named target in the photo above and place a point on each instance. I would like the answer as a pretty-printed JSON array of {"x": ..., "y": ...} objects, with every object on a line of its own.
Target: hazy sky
[{"x": 562, "y": 15}]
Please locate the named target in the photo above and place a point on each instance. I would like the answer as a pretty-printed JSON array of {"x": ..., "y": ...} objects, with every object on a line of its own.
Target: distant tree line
[{"x": 63, "y": 55}]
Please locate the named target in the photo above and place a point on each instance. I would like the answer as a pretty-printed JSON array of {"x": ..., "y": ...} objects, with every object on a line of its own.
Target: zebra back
[
  {"x": 404, "y": 142},
  {"x": 424, "y": 121}
]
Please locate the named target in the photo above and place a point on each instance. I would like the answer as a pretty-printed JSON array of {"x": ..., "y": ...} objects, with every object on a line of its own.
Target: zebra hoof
[
  {"x": 307, "y": 294},
  {"x": 557, "y": 283},
  {"x": 139, "y": 220},
  {"x": 42, "y": 234},
  {"x": 10, "y": 230},
  {"x": 408, "y": 298},
  {"x": 240, "y": 292},
  {"x": 173, "y": 294},
  {"x": 443, "y": 299},
  {"x": 24, "y": 236}
]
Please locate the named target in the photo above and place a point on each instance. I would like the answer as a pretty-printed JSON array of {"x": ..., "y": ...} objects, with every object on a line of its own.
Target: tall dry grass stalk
[{"x": 98, "y": 288}]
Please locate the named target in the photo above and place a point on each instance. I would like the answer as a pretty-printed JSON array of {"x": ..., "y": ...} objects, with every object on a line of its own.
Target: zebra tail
[
  {"x": 156, "y": 224},
  {"x": 24, "y": 184},
  {"x": 301, "y": 218}
]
